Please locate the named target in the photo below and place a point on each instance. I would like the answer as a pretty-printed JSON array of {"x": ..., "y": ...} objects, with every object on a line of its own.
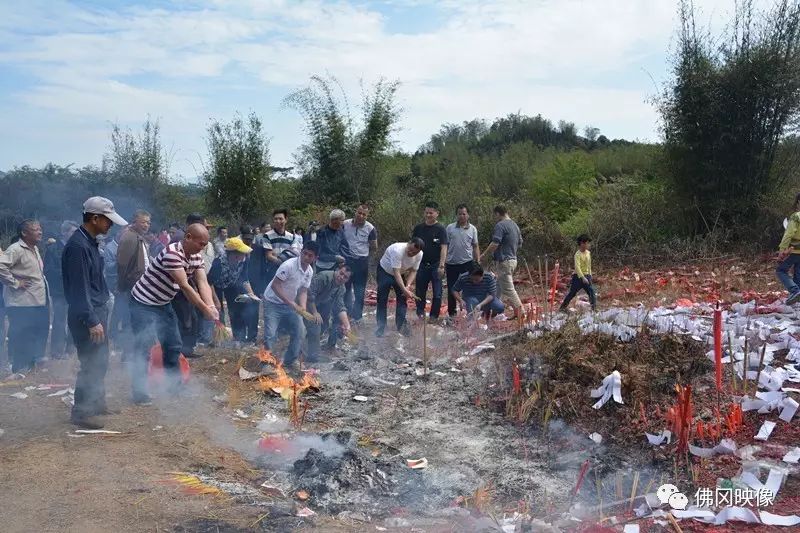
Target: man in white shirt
[
  {"x": 400, "y": 258},
  {"x": 462, "y": 251},
  {"x": 285, "y": 300},
  {"x": 362, "y": 238}
]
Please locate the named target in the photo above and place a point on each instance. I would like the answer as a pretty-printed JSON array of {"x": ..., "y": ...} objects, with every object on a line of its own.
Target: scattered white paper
[
  {"x": 20, "y": 395},
  {"x": 361, "y": 398},
  {"x": 417, "y": 464},
  {"x": 788, "y": 409},
  {"x": 701, "y": 452},
  {"x": 440, "y": 374},
  {"x": 773, "y": 483},
  {"x": 97, "y": 432},
  {"x": 30, "y": 388},
  {"x": 702, "y": 514},
  {"x": 405, "y": 387},
  {"x": 658, "y": 440},
  {"x": 246, "y": 374},
  {"x": 481, "y": 348},
  {"x": 241, "y": 414},
  {"x": 610, "y": 388},
  {"x": 725, "y": 447},
  {"x": 740, "y": 514},
  {"x": 596, "y": 438},
  {"x": 62, "y": 392},
  {"x": 769, "y": 519},
  {"x": 792, "y": 456},
  {"x": 631, "y": 528},
  {"x": 765, "y": 431}
]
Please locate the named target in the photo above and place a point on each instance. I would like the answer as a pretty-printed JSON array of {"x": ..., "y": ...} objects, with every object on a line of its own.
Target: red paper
[{"x": 718, "y": 345}]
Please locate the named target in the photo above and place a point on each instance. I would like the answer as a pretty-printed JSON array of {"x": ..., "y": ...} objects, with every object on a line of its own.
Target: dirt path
[{"x": 50, "y": 481}]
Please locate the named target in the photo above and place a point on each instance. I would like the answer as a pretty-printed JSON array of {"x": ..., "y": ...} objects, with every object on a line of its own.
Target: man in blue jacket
[
  {"x": 87, "y": 296},
  {"x": 333, "y": 246}
]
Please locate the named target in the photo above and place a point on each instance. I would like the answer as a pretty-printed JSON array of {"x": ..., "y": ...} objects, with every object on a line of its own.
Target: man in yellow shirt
[
  {"x": 789, "y": 256},
  {"x": 582, "y": 278}
]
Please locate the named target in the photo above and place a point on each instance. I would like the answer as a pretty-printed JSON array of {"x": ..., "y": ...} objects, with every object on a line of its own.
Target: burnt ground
[
  {"x": 350, "y": 456},
  {"x": 486, "y": 456}
]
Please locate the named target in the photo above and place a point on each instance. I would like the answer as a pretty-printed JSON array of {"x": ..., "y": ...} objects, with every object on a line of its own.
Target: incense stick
[{"x": 760, "y": 365}]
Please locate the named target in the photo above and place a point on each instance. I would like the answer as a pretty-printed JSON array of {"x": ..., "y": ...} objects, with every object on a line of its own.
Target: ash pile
[{"x": 339, "y": 476}]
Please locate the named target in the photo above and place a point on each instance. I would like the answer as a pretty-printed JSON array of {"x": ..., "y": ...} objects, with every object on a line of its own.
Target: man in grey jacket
[{"x": 326, "y": 305}]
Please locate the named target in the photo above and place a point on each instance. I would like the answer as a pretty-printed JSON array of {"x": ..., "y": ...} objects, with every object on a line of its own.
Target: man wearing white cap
[{"x": 87, "y": 294}]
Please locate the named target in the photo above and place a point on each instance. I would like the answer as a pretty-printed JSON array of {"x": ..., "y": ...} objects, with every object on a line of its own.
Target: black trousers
[
  {"x": 28, "y": 329},
  {"x": 577, "y": 284},
  {"x": 452, "y": 272},
  {"x": 59, "y": 336},
  {"x": 188, "y": 322},
  {"x": 356, "y": 286},
  {"x": 386, "y": 283},
  {"x": 90, "y": 387},
  {"x": 244, "y": 316}
]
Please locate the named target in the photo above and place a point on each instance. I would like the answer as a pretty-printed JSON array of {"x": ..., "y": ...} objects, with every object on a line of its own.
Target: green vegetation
[{"x": 723, "y": 178}]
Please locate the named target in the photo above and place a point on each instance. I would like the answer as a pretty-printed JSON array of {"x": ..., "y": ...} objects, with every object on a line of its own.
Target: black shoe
[
  {"x": 86, "y": 422},
  {"x": 380, "y": 332},
  {"x": 193, "y": 355}
]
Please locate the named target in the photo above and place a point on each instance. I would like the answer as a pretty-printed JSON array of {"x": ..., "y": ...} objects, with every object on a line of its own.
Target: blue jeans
[
  {"x": 386, "y": 283},
  {"x": 577, "y": 284},
  {"x": 792, "y": 261},
  {"x": 495, "y": 307},
  {"x": 283, "y": 317},
  {"x": 147, "y": 322},
  {"x": 314, "y": 331},
  {"x": 354, "y": 297},
  {"x": 425, "y": 275}
]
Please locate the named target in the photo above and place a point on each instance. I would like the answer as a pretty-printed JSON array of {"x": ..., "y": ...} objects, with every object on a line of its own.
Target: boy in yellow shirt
[
  {"x": 789, "y": 256},
  {"x": 582, "y": 278}
]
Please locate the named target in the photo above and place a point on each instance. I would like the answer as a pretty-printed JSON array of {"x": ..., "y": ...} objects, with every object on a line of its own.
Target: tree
[
  {"x": 591, "y": 133},
  {"x": 339, "y": 163},
  {"x": 569, "y": 183},
  {"x": 727, "y": 107},
  {"x": 138, "y": 160},
  {"x": 238, "y": 174}
]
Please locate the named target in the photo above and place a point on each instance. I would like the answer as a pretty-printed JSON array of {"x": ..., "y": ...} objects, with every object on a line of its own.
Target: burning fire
[{"x": 281, "y": 383}]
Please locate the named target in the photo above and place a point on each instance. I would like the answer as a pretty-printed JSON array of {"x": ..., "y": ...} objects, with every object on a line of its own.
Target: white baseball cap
[{"x": 97, "y": 205}]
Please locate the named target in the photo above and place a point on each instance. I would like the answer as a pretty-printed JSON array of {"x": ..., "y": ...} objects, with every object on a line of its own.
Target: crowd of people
[{"x": 178, "y": 286}]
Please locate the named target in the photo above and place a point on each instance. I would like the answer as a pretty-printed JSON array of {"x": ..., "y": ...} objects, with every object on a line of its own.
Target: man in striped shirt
[
  {"x": 279, "y": 244},
  {"x": 175, "y": 269},
  {"x": 477, "y": 291}
]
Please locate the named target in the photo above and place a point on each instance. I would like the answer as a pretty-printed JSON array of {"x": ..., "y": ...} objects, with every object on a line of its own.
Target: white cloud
[{"x": 560, "y": 58}]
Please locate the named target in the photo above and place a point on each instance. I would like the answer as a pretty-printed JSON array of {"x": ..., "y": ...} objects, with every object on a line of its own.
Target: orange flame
[{"x": 282, "y": 383}]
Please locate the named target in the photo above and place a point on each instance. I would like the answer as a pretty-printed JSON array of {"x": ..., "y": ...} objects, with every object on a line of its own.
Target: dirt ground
[{"x": 52, "y": 480}]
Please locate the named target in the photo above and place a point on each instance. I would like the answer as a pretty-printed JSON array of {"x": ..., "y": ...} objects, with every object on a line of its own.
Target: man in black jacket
[
  {"x": 87, "y": 295},
  {"x": 52, "y": 271}
]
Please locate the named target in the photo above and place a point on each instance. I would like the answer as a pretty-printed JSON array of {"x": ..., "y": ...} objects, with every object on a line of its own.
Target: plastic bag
[{"x": 155, "y": 370}]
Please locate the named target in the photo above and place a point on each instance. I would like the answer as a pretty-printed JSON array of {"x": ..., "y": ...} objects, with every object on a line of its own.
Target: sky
[{"x": 69, "y": 69}]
